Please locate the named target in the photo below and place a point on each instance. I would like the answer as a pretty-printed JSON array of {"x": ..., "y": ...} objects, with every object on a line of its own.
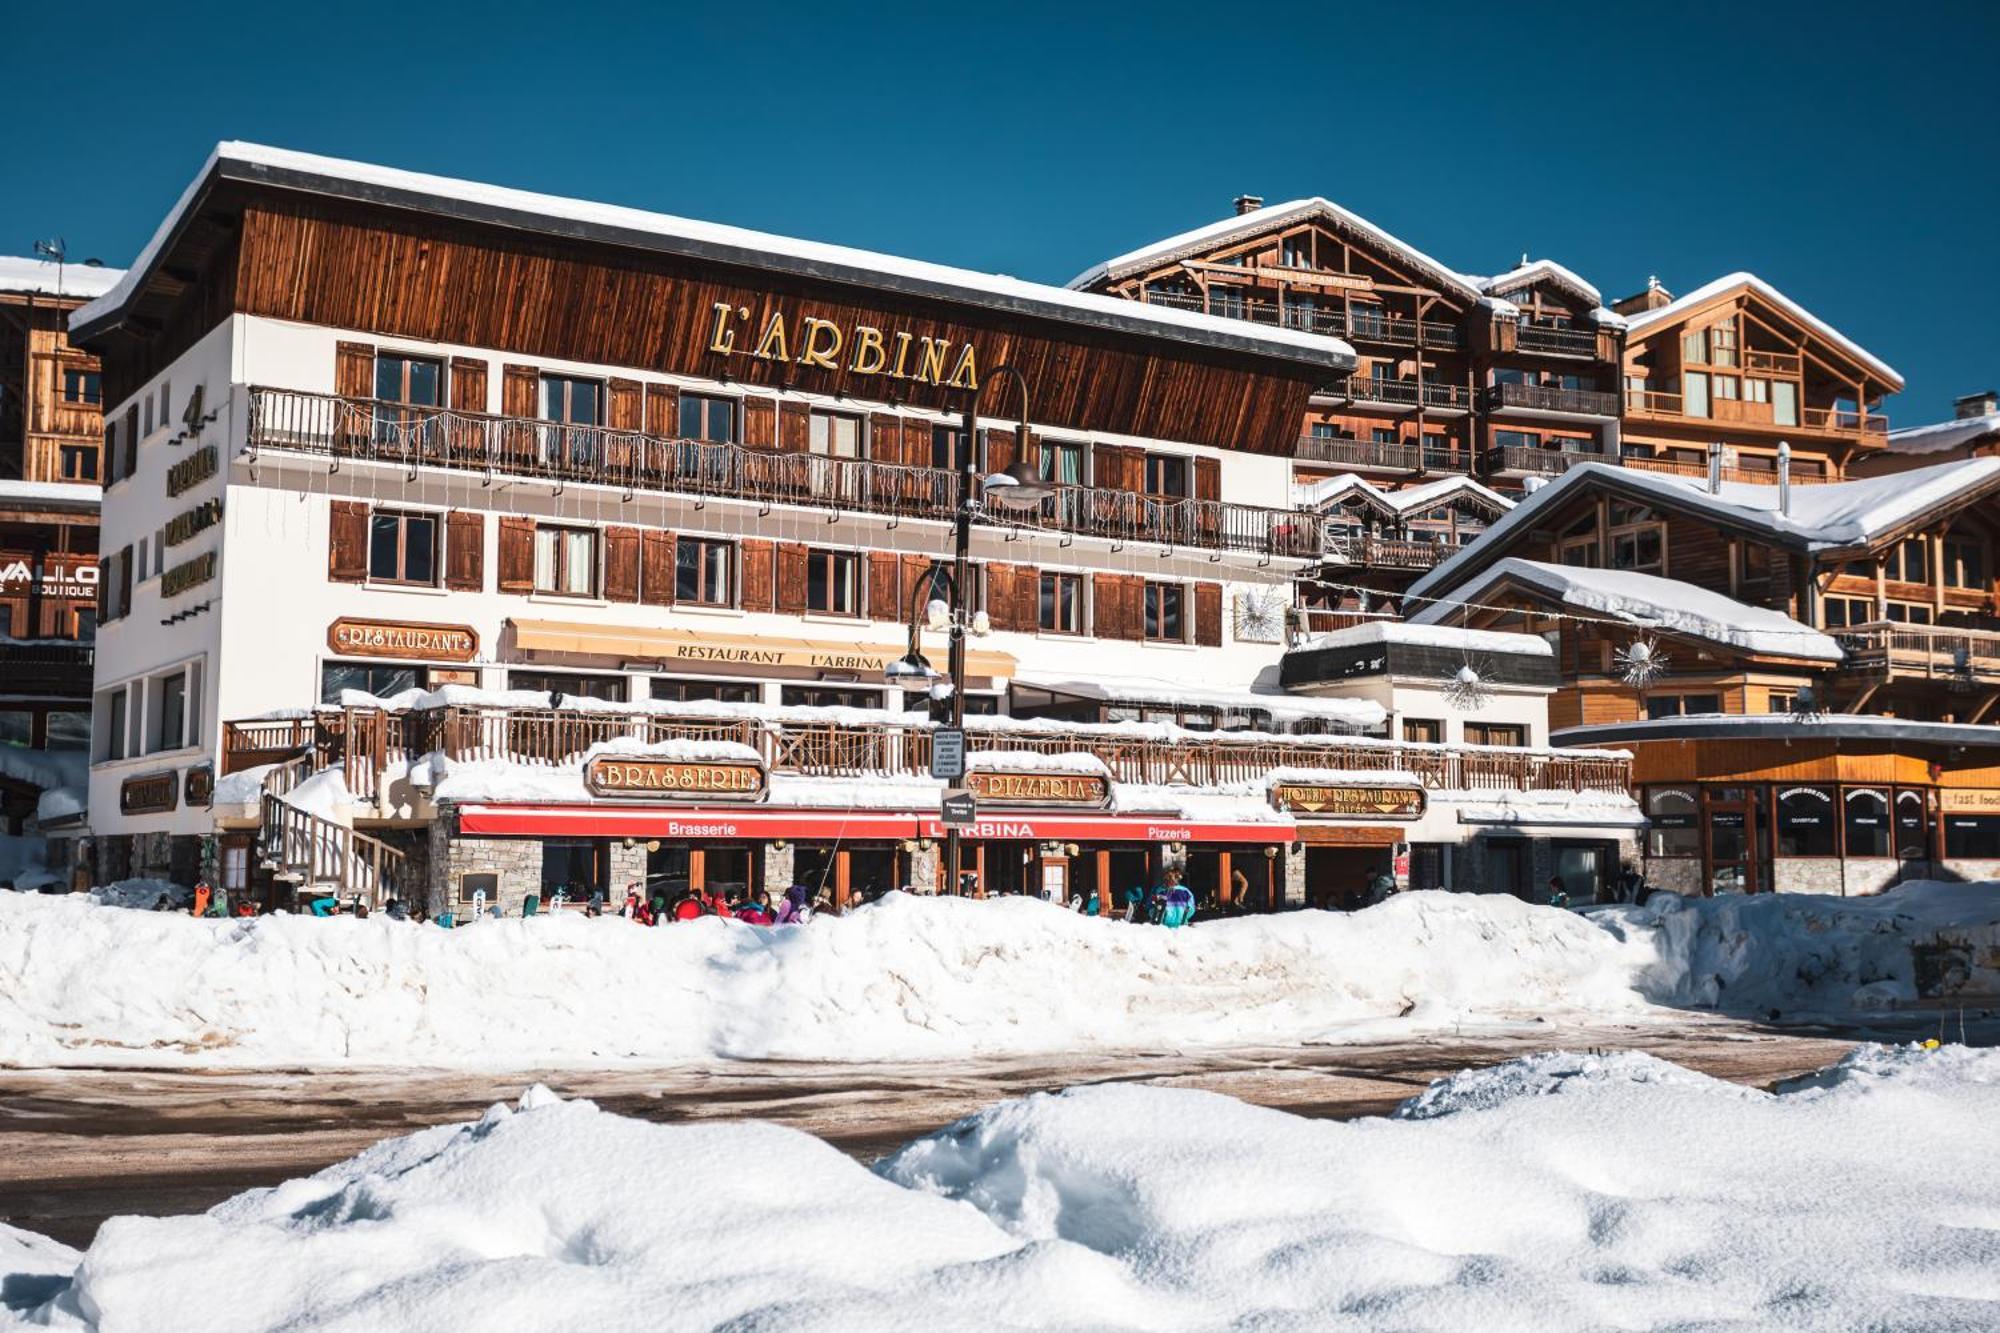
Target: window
[
  {"x": 17, "y": 728},
  {"x": 829, "y": 696},
  {"x": 572, "y": 866},
  {"x": 1382, "y": 435},
  {"x": 1167, "y": 474},
  {"x": 1325, "y": 430},
  {"x": 566, "y": 561},
  {"x": 170, "y": 712},
  {"x": 1784, "y": 403},
  {"x": 1780, "y": 701},
  {"x": 1913, "y": 826},
  {"x": 1694, "y": 394},
  {"x": 704, "y": 691},
  {"x": 1296, "y": 251},
  {"x": 1517, "y": 439},
  {"x": 1868, "y": 831},
  {"x": 706, "y": 418},
  {"x": 68, "y": 731},
  {"x": 1694, "y": 346},
  {"x": 835, "y": 436},
  {"x": 114, "y": 733},
  {"x": 704, "y": 572},
  {"x": 382, "y": 681},
  {"x": 1909, "y": 562},
  {"x": 833, "y": 583},
  {"x": 1805, "y": 821},
  {"x": 1722, "y": 344},
  {"x": 1638, "y": 539},
  {"x": 1964, "y": 563},
  {"x": 1424, "y": 730},
  {"x": 415, "y": 380},
  {"x": 1756, "y": 567},
  {"x": 402, "y": 548},
  {"x": 1062, "y": 604},
  {"x": 1063, "y": 463},
  {"x": 1675, "y": 814},
  {"x": 577, "y": 405},
  {"x": 947, "y": 448},
  {"x": 1495, "y": 733},
  {"x": 1725, "y": 387},
  {"x": 1973, "y": 837},
  {"x": 1682, "y": 705},
  {"x": 82, "y": 386},
  {"x": 1909, "y": 613},
  {"x": 1841, "y": 612},
  {"x": 1756, "y": 391},
  {"x": 1166, "y": 606},
  {"x": 612, "y": 689},
  {"x": 79, "y": 462}
]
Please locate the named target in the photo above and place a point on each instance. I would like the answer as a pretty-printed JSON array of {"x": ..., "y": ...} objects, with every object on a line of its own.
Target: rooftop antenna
[{"x": 56, "y": 252}]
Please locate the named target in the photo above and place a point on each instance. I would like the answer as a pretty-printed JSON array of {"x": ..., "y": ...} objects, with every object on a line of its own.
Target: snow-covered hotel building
[{"x": 464, "y": 540}]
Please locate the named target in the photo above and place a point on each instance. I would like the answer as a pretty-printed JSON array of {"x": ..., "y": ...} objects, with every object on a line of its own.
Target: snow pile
[
  {"x": 61, "y": 803},
  {"x": 1034, "y": 761},
  {"x": 46, "y": 770},
  {"x": 1800, "y": 954},
  {"x": 142, "y": 894},
  {"x": 1553, "y": 1074},
  {"x": 1660, "y": 1202},
  {"x": 908, "y": 978}
]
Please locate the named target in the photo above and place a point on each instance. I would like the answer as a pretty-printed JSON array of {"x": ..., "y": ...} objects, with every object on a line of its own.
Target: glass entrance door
[{"x": 1732, "y": 841}]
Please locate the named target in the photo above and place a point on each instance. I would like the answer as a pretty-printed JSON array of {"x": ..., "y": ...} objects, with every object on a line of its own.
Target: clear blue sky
[{"x": 1850, "y": 153}]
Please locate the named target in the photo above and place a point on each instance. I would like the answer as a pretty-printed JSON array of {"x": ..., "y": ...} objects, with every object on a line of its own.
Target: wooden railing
[
  {"x": 539, "y": 736},
  {"x": 1362, "y": 453},
  {"x": 1802, "y": 472},
  {"x": 1391, "y": 553},
  {"x": 1890, "y": 648},
  {"x": 323, "y": 854},
  {"x": 367, "y": 430},
  {"x": 1742, "y": 412},
  {"x": 1772, "y": 363},
  {"x": 1537, "y": 462},
  {"x": 1545, "y": 398},
  {"x": 51, "y": 666},
  {"x": 1308, "y": 622},
  {"x": 1566, "y": 342},
  {"x": 1403, "y": 393},
  {"x": 1331, "y": 322}
]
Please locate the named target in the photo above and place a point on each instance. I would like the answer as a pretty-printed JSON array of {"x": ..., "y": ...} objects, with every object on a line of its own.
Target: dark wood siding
[
  {"x": 468, "y": 384},
  {"x": 794, "y": 427},
  {"x": 760, "y": 422},
  {"x": 663, "y": 410},
  {"x": 626, "y": 409},
  {"x": 1116, "y": 606}
]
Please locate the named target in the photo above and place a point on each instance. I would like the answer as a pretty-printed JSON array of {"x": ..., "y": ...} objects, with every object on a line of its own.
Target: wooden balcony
[
  {"x": 1803, "y": 473},
  {"x": 1375, "y": 552},
  {"x": 1888, "y": 649},
  {"x": 47, "y": 667},
  {"x": 1543, "y": 398},
  {"x": 323, "y": 425},
  {"x": 1513, "y": 460},
  {"x": 1362, "y": 454},
  {"x": 1332, "y": 323},
  {"x": 1554, "y": 341},
  {"x": 1435, "y": 395},
  {"x": 1837, "y": 423},
  {"x": 1774, "y": 363},
  {"x": 366, "y": 741}
]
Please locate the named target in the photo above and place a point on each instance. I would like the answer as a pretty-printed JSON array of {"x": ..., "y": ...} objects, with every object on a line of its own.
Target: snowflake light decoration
[
  {"x": 1467, "y": 689},
  {"x": 1641, "y": 662}
]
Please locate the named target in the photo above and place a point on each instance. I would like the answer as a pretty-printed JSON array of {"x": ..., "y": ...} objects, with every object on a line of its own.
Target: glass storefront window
[
  {"x": 1913, "y": 826},
  {"x": 1675, "y": 813},
  {"x": 1867, "y": 811},
  {"x": 1805, "y": 821},
  {"x": 1972, "y": 837}
]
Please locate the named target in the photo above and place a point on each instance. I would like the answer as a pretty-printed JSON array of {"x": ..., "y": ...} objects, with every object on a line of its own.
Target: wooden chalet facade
[{"x": 51, "y": 399}]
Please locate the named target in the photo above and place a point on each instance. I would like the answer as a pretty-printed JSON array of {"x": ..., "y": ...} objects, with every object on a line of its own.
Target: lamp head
[{"x": 1019, "y": 487}]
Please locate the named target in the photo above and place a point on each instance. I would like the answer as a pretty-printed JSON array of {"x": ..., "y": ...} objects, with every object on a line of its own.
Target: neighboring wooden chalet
[
  {"x": 1380, "y": 540},
  {"x": 1738, "y": 363},
  {"x": 51, "y": 399},
  {"x": 1972, "y": 432}
]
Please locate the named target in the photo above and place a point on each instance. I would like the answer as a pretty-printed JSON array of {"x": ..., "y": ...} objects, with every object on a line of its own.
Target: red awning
[{"x": 605, "y": 821}]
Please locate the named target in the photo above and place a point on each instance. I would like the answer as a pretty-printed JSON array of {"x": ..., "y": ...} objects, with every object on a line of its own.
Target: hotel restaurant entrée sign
[
  {"x": 638, "y": 776},
  {"x": 1302, "y": 798},
  {"x": 991, "y": 788},
  {"x": 402, "y": 639}
]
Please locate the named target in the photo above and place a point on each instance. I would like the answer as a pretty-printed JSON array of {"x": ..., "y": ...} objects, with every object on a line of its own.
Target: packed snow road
[{"x": 77, "y": 1146}]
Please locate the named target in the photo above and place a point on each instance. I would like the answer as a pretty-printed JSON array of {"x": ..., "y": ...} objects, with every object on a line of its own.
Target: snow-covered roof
[
  {"x": 1190, "y": 243},
  {"x": 1652, "y": 602},
  {"x": 1331, "y": 490},
  {"x": 19, "y": 273},
  {"x": 1942, "y": 435},
  {"x": 1538, "y": 270},
  {"x": 1282, "y": 706},
  {"x": 1788, "y": 726},
  {"x": 49, "y": 492},
  {"x": 1824, "y": 516},
  {"x": 713, "y": 241},
  {"x": 1429, "y": 635},
  {"x": 1675, "y": 309}
]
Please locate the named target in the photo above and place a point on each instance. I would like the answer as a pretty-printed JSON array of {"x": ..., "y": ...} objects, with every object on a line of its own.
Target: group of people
[{"x": 794, "y": 909}]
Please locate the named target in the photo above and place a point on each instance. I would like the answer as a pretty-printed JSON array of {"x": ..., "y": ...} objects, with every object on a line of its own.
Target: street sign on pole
[
  {"x": 948, "y": 754},
  {"x": 958, "y": 809}
]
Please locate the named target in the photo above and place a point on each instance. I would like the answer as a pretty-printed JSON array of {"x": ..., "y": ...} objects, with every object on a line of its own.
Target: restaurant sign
[
  {"x": 1962, "y": 802},
  {"x": 1302, "y": 798},
  {"x": 1016, "y": 789},
  {"x": 149, "y": 794},
  {"x": 616, "y": 775},
  {"x": 402, "y": 638}
]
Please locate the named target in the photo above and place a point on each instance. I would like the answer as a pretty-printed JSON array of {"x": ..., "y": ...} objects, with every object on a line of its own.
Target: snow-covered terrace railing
[
  {"x": 368, "y": 740},
  {"x": 1332, "y": 323},
  {"x": 367, "y": 430}
]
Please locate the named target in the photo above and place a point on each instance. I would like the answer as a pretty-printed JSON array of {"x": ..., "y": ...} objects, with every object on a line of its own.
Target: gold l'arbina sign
[
  {"x": 613, "y": 775},
  {"x": 860, "y": 349},
  {"x": 1349, "y": 802}
]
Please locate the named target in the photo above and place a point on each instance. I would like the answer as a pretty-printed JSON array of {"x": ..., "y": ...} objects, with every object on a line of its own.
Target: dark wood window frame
[
  {"x": 826, "y": 564},
  {"x": 402, "y": 519},
  {"x": 692, "y": 557},
  {"x": 561, "y": 566},
  {"x": 1161, "y": 601},
  {"x": 1050, "y": 599}
]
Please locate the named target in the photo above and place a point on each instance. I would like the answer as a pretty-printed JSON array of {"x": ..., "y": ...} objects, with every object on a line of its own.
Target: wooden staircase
[{"x": 319, "y": 857}]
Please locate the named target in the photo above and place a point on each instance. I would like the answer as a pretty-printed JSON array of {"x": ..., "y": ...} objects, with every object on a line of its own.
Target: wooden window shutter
[
  {"x": 999, "y": 451},
  {"x": 465, "y": 551},
  {"x": 885, "y": 438},
  {"x": 520, "y": 387},
  {"x": 884, "y": 585},
  {"x": 517, "y": 554},
  {"x": 347, "y": 542},
  {"x": 757, "y": 575},
  {"x": 128, "y": 443},
  {"x": 626, "y": 409},
  {"x": 794, "y": 427},
  {"x": 916, "y": 442},
  {"x": 468, "y": 384},
  {"x": 1207, "y": 478},
  {"x": 656, "y": 583},
  {"x": 354, "y": 370},
  {"x": 914, "y": 569},
  {"x": 125, "y": 581},
  {"x": 1026, "y": 612},
  {"x": 1208, "y": 614},
  {"x": 621, "y": 564},
  {"x": 1116, "y": 598},
  {"x": 792, "y": 578},
  {"x": 760, "y": 423},
  {"x": 663, "y": 411}
]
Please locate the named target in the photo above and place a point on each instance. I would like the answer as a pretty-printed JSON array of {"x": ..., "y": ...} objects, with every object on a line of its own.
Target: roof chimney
[
  {"x": 1715, "y": 467},
  {"x": 1652, "y": 298},
  {"x": 1784, "y": 477},
  {"x": 1248, "y": 203},
  {"x": 1975, "y": 405}
]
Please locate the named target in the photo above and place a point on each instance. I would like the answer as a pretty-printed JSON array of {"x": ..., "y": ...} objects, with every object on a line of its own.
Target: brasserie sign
[
  {"x": 859, "y": 349},
  {"x": 994, "y": 788},
  {"x": 351, "y": 637},
  {"x": 1302, "y": 798},
  {"x": 616, "y": 775}
]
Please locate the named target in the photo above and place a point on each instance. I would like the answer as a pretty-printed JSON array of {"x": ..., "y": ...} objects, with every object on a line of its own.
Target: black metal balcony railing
[
  {"x": 362, "y": 429},
  {"x": 1330, "y": 322},
  {"x": 1563, "y": 342},
  {"x": 1545, "y": 398}
]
